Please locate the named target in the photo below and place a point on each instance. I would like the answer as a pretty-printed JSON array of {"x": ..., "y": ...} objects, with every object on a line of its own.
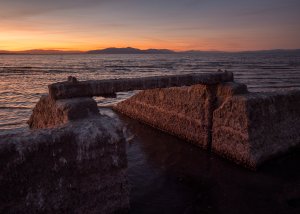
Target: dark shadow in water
[{"x": 168, "y": 175}]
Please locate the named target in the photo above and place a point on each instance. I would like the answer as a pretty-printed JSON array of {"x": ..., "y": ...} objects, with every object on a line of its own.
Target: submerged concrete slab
[
  {"x": 70, "y": 89},
  {"x": 49, "y": 113},
  {"x": 77, "y": 168},
  {"x": 252, "y": 128}
]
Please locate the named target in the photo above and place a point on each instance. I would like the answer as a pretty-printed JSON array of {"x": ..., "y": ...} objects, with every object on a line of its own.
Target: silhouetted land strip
[{"x": 131, "y": 50}]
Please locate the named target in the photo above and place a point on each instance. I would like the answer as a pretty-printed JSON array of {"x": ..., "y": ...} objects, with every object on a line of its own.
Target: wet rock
[
  {"x": 78, "y": 167},
  {"x": 105, "y": 88},
  {"x": 49, "y": 113},
  {"x": 252, "y": 128}
]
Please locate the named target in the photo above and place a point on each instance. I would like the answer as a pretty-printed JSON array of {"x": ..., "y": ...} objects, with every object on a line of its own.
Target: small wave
[
  {"x": 15, "y": 107},
  {"x": 16, "y": 67},
  {"x": 12, "y": 124}
]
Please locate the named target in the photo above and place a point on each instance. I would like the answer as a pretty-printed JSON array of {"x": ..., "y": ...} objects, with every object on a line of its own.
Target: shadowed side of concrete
[
  {"x": 77, "y": 167},
  {"x": 70, "y": 89},
  {"x": 255, "y": 127}
]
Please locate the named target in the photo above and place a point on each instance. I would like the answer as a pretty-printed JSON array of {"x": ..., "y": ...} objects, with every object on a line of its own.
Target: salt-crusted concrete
[
  {"x": 248, "y": 128},
  {"x": 254, "y": 127},
  {"x": 49, "y": 113},
  {"x": 78, "y": 167},
  {"x": 183, "y": 111},
  {"x": 73, "y": 88}
]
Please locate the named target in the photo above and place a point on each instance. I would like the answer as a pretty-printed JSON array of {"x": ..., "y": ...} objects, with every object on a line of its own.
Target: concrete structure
[
  {"x": 49, "y": 113},
  {"x": 75, "y": 162},
  {"x": 75, "y": 159},
  {"x": 248, "y": 128},
  {"x": 208, "y": 109},
  {"x": 72, "y": 88},
  {"x": 183, "y": 111},
  {"x": 252, "y": 128}
]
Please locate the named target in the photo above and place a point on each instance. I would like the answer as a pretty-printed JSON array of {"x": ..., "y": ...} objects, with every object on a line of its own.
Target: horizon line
[{"x": 175, "y": 51}]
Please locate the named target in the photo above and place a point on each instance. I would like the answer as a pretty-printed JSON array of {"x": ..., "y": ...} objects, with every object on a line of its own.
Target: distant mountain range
[{"x": 130, "y": 50}]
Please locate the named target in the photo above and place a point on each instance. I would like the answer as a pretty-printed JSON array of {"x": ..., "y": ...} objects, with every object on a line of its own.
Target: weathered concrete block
[
  {"x": 49, "y": 113},
  {"x": 255, "y": 127},
  {"x": 77, "y": 168},
  {"x": 70, "y": 89},
  {"x": 182, "y": 111}
]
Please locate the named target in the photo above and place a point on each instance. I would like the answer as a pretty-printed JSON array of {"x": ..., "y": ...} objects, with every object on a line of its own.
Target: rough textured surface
[
  {"x": 78, "y": 167},
  {"x": 255, "y": 127},
  {"x": 248, "y": 128},
  {"x": 91, "y": 88},
  {"x": 183, "y": 111},
  {"x": 49, "y": 113}
]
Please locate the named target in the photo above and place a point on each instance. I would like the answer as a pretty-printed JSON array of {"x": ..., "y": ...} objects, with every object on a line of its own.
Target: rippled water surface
[{"x": 24, "y": 78}]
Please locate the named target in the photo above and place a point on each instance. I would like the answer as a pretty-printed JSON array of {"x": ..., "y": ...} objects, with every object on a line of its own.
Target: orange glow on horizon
[
  {"x": 31, "y": 39},
  {"x": 83, "y": 25}
]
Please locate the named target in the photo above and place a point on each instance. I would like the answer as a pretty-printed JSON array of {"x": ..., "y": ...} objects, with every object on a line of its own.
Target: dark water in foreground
[{"x": 166, "y": 174}]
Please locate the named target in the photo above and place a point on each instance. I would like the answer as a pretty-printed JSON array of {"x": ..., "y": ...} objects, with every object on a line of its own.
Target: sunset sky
[{"x": 174, "y": 24}]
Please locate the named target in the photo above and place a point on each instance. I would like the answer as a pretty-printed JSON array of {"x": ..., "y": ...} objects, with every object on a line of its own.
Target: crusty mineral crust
[
  {"x": 70, "y": 89},
  {"x": 78, "y": 167},
  {"x": 183, "y": 111},
  {"x": 49, "y": 113},
  {"x": 248, "y": 128},
  {"x": 255, "y": 127}
]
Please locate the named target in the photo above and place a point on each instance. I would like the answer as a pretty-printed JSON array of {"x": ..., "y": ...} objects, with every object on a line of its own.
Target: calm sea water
[{"x": 166, "y": 174}]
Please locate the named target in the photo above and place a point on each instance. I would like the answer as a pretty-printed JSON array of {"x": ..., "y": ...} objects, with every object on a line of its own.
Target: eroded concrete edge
[
  {"x": 257, "y": 127},
  {"x": 74, "y": 88}
]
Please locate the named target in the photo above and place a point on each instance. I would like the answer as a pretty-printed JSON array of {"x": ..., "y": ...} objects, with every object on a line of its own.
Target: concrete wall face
[
  {"x": 183, "y": 111},
  {"x": 49, "y": 113},
  {"x": 253, "y": 128}
]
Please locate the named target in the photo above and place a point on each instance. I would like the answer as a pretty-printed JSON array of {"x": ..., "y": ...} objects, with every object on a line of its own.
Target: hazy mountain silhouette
[
  {"x": 130, "y": 50},
  {"x": 4, "y": 52}
]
